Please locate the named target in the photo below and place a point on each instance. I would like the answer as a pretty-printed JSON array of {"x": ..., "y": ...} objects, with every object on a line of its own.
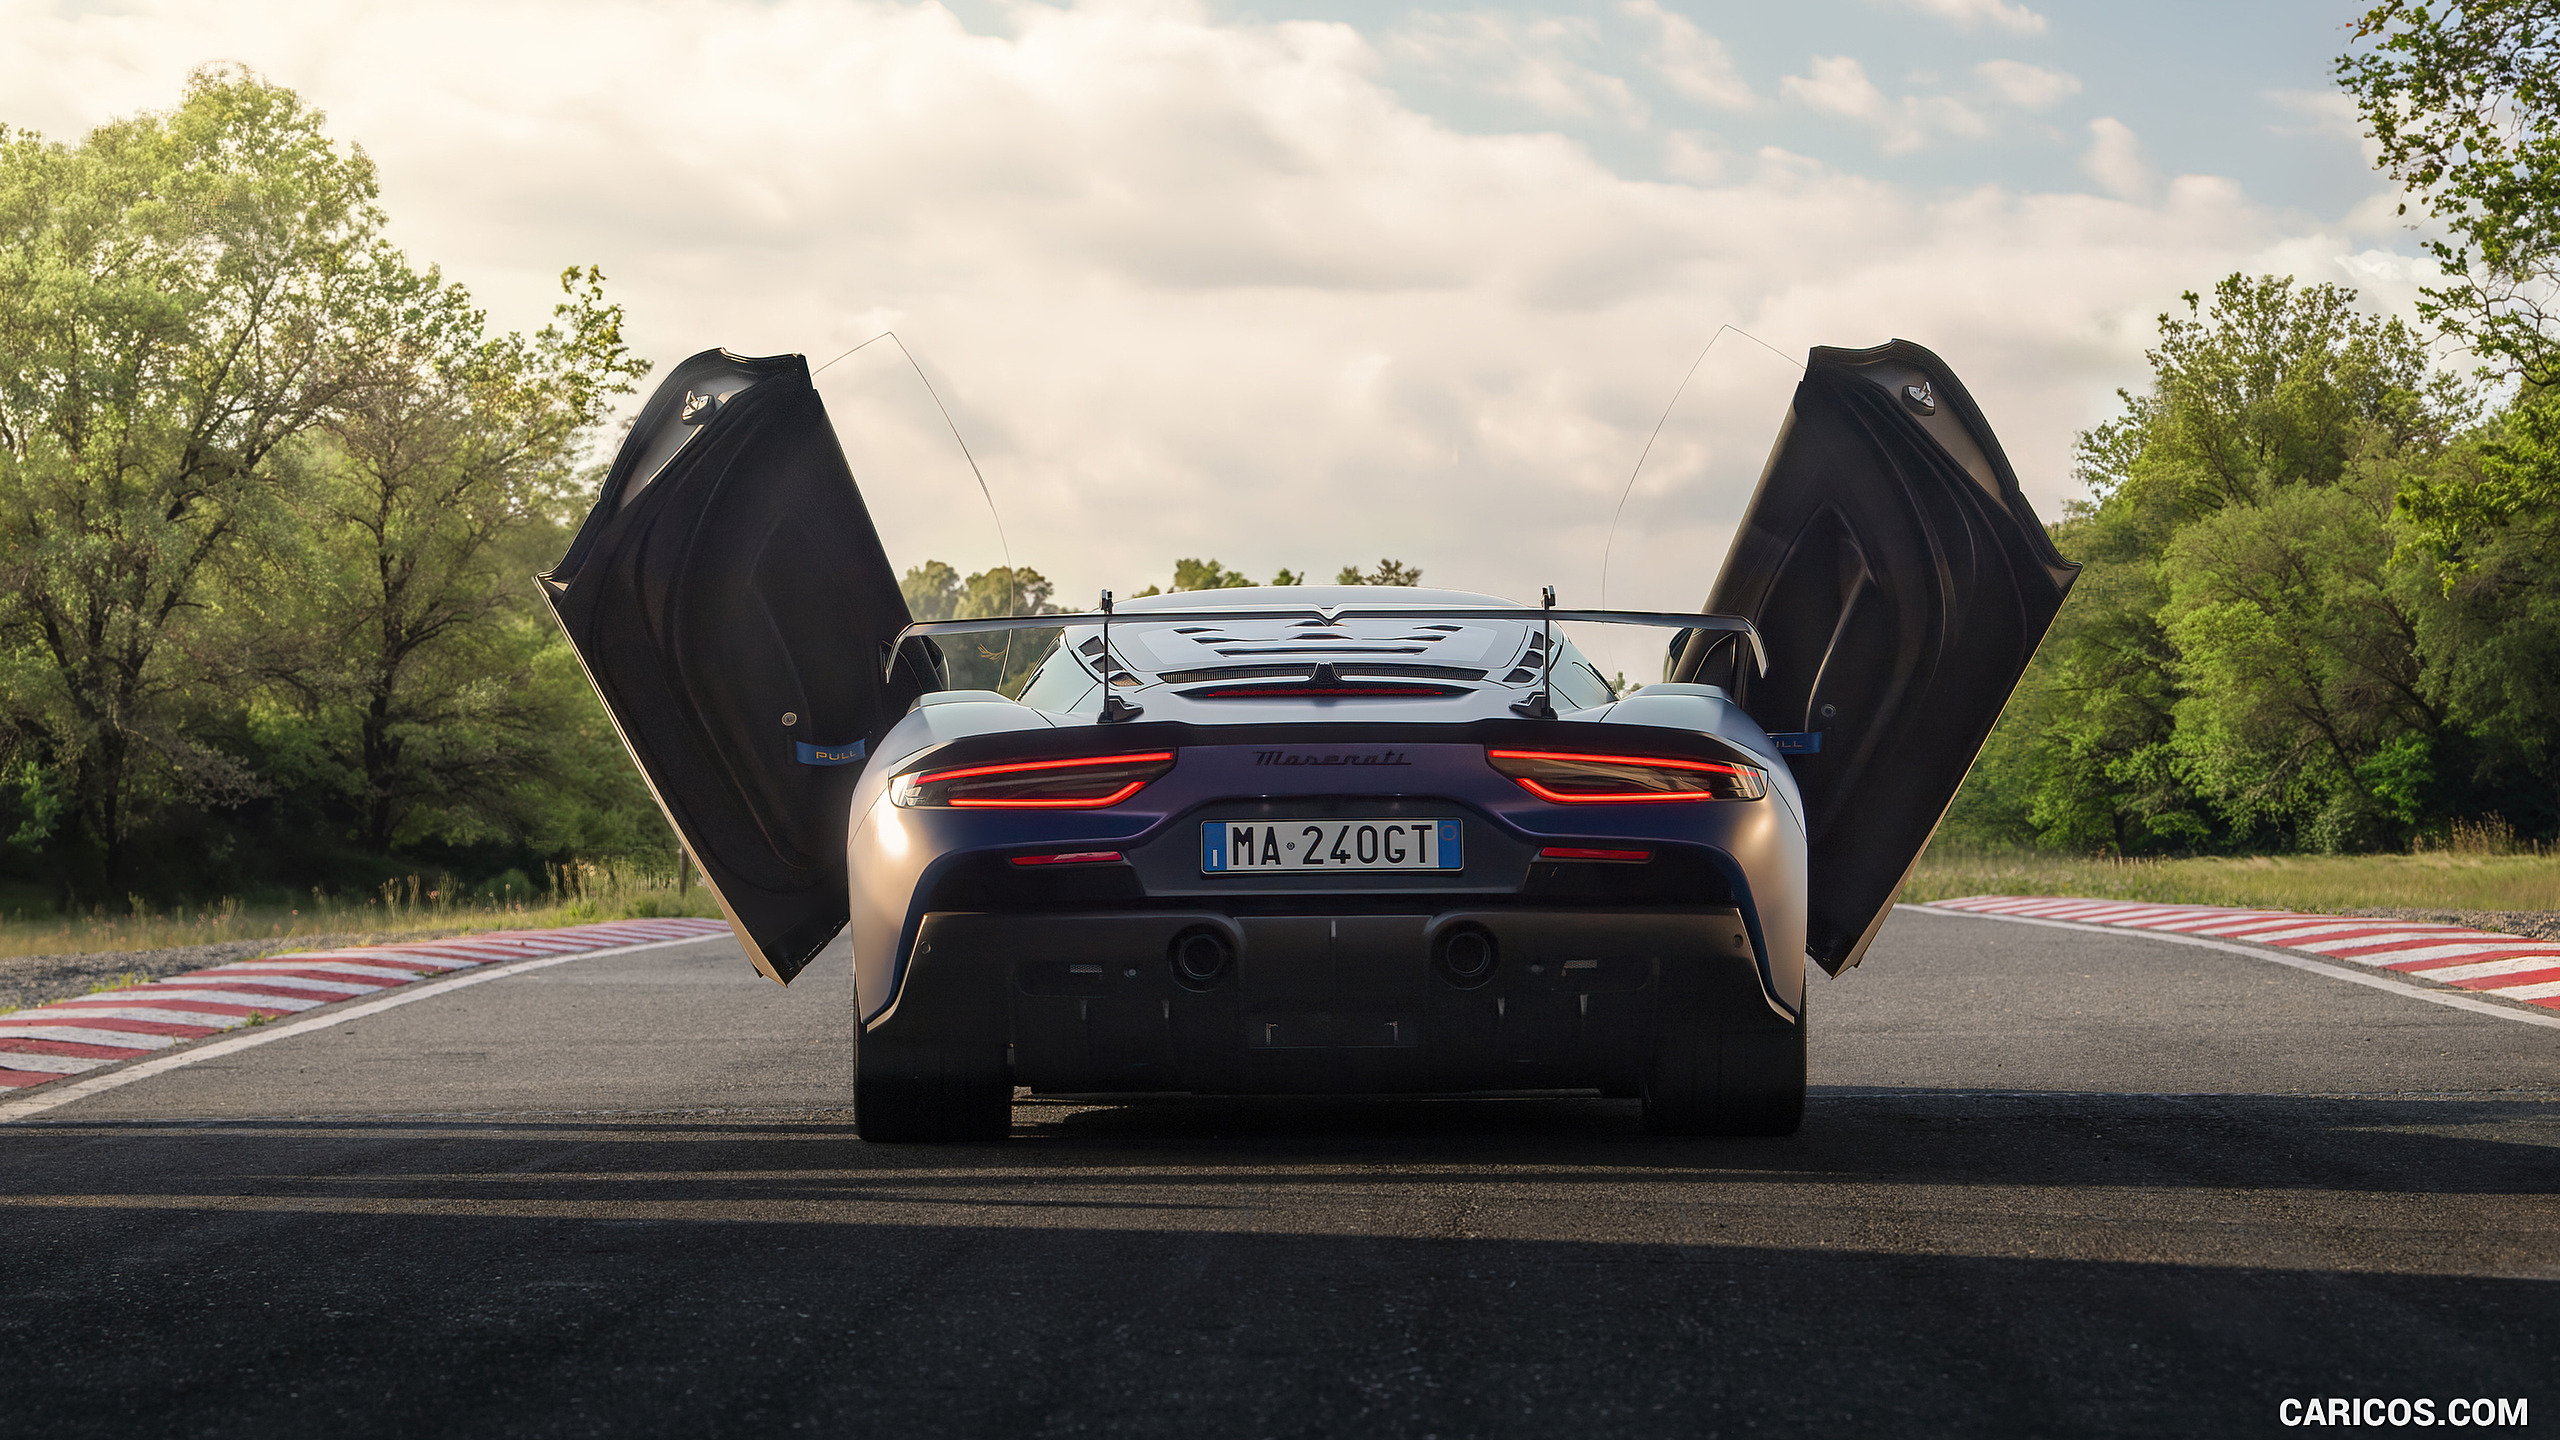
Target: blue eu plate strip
[
  {"x": 1450, "y": 859},
  {"x": 1213, "y": 847}
]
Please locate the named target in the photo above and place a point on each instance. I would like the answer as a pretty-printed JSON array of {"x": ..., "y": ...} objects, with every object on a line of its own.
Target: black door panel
[
  {"x": 1901, "y": 584},
  {"x": 728, "y": 595}
]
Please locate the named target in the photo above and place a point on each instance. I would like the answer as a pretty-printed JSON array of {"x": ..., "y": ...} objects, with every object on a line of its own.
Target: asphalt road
[{"x": 2049, "y": 1183}]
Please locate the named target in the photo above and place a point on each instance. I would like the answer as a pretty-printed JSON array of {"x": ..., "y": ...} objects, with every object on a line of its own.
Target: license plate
[{"x": 1231, "y": 846}]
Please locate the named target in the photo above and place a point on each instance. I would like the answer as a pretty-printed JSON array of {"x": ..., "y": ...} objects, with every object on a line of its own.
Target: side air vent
[{"x": 1521, "y": 676}]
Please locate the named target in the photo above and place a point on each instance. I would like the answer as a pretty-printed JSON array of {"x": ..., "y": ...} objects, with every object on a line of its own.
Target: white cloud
[
  {"x": 1998, "y": 14},
  {"x": 1839, "y": 85},
  {"x": 1530, "y": 60},
  {"x": 2326, "y": 113},
  {"x": 2028, "y": 87},
  {"x": 1690, "y": 60},
  {"x": 1688, "y": 155},
  {"x": 2115, "y": 160},
  {"x": 2385, "y": 268},
  {"x": 1190, "y": 287}
]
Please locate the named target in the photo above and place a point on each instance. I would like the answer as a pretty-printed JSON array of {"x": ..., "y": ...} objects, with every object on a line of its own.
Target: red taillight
[
  {"x": 1071, "y": 857},
  {"x": 1587, "y": 852},
  {"x": 1080, "y": 783},
  {"x": 1566, "y": 778}
]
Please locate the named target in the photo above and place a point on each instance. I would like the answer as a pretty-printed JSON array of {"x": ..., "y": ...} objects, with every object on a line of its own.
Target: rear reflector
[
  {"x": 1585, "y": 852},
  {"x": 1079, "y": 783},
  {"x": 1071, "y": 857},
  {"x": 1569, "y": 778}
]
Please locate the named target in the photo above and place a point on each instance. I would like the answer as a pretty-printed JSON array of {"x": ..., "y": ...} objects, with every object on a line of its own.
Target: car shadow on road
[
  {"x": 1944, "y": 1262},
  {"x": 699, "y": 1279},
  {"x": 2482, "y": 1144},
  {"x": 2479, "y": 1145}
]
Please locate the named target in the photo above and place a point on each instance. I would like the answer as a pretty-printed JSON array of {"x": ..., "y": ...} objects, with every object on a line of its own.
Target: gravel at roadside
[
  {"x": 30, "y": 980},
  {"x": 2532, "y": 924}
]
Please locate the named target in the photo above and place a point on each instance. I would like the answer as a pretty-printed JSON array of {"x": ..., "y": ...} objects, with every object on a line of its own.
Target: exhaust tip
[
  {"x": 1201, "y": 957},
  {"x": 1466, "y": 955}
]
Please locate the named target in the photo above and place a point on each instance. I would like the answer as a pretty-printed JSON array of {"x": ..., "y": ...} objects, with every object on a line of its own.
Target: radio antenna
[
  {"x": 950, "y": 424},
  {"x": 1113, "y": 707},
  {"x": 1676, "y": 393},
  {"x": 1013, "y": 577}
]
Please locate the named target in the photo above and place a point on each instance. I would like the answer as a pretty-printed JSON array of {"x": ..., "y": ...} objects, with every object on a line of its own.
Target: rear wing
[{"x": 1332, "y": 614}]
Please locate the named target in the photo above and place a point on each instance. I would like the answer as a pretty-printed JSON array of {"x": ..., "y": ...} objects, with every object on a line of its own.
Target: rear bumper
[
  {"x": 906, "y": 864},
  {"x": 1326, "y": 1003}
]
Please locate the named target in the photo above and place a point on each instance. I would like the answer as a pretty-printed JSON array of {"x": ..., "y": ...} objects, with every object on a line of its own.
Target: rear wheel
[
  {"x": 1728, "y": 1082},
  {"x": 906, "y": 1092}
]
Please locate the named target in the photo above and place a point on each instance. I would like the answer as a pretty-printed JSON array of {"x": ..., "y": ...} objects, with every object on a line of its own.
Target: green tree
[
  {"x": 2270, "y": 385},
  {"x": 2462, "y": 97},
  {"x": 411, "y": 641},
  {"x": 932, "y": 590},
  {"x": 2463, "y": 103},
  {"x": 936, "y": 591},
  {"x": 1211, "y": 575},
  {"x": 170, "y": 298},
  {"x": 998, "y": 591},
  {"x": 2305, "y": 701},
  {"x": 2241, "y": 660},
  {"x": 1389, "y": 572},
  {"x": 996, "y": 660},
  {"x": 1003, "y": 660},
  {"x": 1206, "y": 575},
  {"x": 1200, "y": 575},
  {"x": 2516, "y": 479}
]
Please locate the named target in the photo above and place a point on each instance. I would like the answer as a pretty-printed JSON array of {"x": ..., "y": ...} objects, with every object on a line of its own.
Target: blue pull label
[
  {"x": 1798, "y": 742},
  {"x": 833, "y": 754}
]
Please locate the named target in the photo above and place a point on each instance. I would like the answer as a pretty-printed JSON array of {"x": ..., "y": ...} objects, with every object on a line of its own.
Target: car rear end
[
  {"x": 1338, "y": 906},
  {"x": 734, "y": 607}
]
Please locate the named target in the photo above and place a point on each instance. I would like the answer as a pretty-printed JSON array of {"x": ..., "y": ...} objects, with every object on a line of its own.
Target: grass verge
[
  {"x": 581, "y": 894},
  {"x": 2433, "y": 879},
  {"x": 2436, "y": 879}
]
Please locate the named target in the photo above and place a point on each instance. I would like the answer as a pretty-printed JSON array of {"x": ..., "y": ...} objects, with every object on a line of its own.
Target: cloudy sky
[{"x": 1294, "y": 284}]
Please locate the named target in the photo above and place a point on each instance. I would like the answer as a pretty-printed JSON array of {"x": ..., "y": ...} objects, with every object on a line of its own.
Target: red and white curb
[
  {"x": 2509, "y": 967},
  {"x": 71, "y": 1037}
]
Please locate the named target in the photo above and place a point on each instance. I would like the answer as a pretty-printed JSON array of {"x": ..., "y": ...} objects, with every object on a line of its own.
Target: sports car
[{"x": 1312, "y": 839}]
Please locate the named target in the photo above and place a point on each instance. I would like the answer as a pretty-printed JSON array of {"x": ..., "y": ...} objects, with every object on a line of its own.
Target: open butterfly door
[
  {"x": 733, "y": 607},
  {"x": 1901, "y": 584}
]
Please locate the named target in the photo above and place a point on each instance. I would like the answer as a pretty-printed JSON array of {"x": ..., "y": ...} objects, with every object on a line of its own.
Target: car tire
[
  {"x": 1728, "y": 1082},
  {"x": 907, "y": 1094}
]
